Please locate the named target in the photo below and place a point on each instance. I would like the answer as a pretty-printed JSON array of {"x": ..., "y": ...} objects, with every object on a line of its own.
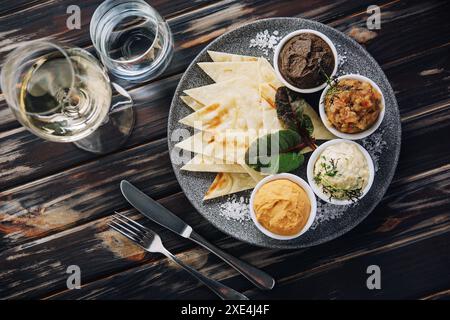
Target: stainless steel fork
[{"x": 151, "y": 242}]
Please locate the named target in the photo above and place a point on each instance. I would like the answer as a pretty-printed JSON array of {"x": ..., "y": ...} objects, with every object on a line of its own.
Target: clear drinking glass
[
  {"x": 132, "y": 39},
  {"x": 64, "y": 94}
]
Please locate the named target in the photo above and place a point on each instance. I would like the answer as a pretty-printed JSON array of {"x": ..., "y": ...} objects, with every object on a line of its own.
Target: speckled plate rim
[{"x": 283, "y": 244}]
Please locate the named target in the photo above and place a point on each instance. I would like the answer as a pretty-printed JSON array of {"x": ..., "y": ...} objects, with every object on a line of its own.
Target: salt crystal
[
  {"x": 342, "y": 59},
  {"x": 327, "y": 211},
  {"x": 374, "y": 144},
  {"x": 235, "y": 209},
  {"x": 265, "y": 41}
]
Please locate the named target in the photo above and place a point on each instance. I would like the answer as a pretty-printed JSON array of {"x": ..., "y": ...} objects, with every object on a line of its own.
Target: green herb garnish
[
  {"x": 350, "y": 194},
  {"x": 276, "y": 152},
  {"x": 330, "y": 170}
]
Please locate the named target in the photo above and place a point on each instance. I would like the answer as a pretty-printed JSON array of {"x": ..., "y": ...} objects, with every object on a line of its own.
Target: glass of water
[
  {"x": 63, "y": 94},
  {"x": 132, "y": 39}
]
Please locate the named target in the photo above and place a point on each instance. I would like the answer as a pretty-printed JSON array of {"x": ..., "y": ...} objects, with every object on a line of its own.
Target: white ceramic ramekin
[
  {"x": 317, "y": 189},
  {"x": 302, "y": 183},
  {"x": 281, "y": 45},
  {"x": 358, "y": 135}
]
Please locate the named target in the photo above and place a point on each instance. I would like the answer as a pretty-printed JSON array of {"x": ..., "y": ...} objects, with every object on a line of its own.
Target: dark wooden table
[{"x": 55, "y": 200}]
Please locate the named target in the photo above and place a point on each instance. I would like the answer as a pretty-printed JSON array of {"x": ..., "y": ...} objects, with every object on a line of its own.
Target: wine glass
[
  {"x": 63, "y": 94},
  {"x": 132, "y": 39}
]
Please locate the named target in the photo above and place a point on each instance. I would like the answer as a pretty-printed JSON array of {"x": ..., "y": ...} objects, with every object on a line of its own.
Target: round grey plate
[{"x": 384, "y": 145}]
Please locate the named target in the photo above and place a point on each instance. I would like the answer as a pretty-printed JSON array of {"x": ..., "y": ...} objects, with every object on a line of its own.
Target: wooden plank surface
[{"x": 55, "y": 200}]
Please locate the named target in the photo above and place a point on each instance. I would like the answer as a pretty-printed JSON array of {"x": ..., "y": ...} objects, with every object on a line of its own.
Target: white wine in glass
[{"x": 63, "y": 94}]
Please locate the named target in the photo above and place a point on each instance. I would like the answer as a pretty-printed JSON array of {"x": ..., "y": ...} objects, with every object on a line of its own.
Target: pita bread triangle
[
  {"x": 191, "y": 103},
  {"x": 266, "y": 72},
  {"x": 202, "y": 163},
  {"x": 222, "y": 71},
  {"x": 228, "y": 183},
  {"x": 229, "y": 146},
  {"x": 246, "y": 97},
  {"x": 229, "y": 57}
]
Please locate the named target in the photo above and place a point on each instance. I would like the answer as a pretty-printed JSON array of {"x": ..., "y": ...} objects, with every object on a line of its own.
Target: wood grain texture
[{"x": 55, "y": 200}]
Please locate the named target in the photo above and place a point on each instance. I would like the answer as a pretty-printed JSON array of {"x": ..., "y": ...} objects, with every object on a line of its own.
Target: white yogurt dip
[{"x": 342, "y": 171}]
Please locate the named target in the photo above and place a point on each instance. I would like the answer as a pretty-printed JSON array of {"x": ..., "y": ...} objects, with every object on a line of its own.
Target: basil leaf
[
  {"x": 286, "y": 162},
  {"x": 276, "y": 152}
]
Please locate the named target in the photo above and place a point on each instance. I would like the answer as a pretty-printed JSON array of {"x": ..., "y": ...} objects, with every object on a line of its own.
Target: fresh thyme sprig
[
  {"x": 350, "y": 194},
  {"x": 331, "y": 81}
]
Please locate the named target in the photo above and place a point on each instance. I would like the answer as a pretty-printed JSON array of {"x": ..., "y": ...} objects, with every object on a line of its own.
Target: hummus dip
[
  {"x": 342, "y": 171},
  {"x": 282, "y": 207}
]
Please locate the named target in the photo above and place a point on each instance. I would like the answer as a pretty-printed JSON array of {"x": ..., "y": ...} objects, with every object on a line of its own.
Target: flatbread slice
[
  {"x": 218, "y": 116},
  {"x": 228, "y": 183},
  {"x": 192, "y": 103},
  {"x": 245, "y": 94},
  {"x": 246, "y": 91},
  {"x": 222, "y": 71},
  {"x": 259, "y": 70},
  {"x": 229, "y": 146},
  {"x": 228, "y": 57},
  {"x": 267, "y": 73},
  {"x": 270, "y": 118},
  {"x": 202, "y": 163}
]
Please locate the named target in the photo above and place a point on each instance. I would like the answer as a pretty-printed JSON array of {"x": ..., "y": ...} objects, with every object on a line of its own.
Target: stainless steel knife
[{"x": 157, "y": 213}]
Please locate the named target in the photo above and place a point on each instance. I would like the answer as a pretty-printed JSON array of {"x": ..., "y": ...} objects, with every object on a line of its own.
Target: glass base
[
  {"x": 147, "y": 75},
  {"x": 112, "y": 134}
]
